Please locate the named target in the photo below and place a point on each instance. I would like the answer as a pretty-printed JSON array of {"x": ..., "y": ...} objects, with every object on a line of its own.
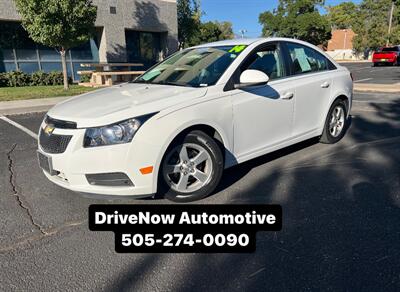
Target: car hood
[{"x": 121, "y": 102}]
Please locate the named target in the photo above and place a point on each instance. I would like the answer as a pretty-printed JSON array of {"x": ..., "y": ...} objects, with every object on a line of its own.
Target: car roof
[
  {"x": 234, "y": 42},
  {"x": 248, "y": 41},
  {"x": 259, "y": 41}
]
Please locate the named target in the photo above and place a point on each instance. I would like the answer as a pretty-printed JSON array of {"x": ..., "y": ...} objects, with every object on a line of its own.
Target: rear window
[
  {"x": 391, "y": 49},
  {"x": 307, "y": 60}
]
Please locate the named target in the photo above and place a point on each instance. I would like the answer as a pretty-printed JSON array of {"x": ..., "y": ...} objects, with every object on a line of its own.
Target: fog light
[{"x": 115, "y": 179}]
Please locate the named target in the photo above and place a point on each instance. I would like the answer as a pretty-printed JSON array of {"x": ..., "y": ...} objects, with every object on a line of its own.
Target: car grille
[{"x": 53, "y": 143}]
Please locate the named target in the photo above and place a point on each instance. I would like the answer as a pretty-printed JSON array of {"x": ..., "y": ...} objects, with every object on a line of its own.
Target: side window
[
  {"x": 268, "y": 60},
  {"x": 306, "y": 60},
  {"x": 322, "y": 62}
]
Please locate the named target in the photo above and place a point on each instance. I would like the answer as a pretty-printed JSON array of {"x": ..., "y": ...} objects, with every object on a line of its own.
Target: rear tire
[
  {"x": 191, "y": 168},
  {"x": 336, "y": 123}
]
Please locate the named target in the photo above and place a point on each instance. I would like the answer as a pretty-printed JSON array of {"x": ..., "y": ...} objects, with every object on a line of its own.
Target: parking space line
[
  {"x": 22, "y": 128},
  {"x": 375, "y": 101},
  {"x": 361, "y": 80}
]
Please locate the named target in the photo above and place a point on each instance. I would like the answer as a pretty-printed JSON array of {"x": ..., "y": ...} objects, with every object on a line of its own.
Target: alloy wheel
[
  {"x": 336, "y": 124},
  {"x": 187, "y": 168}
]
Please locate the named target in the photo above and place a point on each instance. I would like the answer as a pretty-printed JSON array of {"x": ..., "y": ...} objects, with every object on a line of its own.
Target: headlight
[{"x": 118, "y": 133}]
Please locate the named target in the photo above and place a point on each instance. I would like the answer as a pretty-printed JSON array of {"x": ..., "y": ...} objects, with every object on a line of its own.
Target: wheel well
[
  {"x": 346, "y": 101},
  {"x": 210, "y": 131}
]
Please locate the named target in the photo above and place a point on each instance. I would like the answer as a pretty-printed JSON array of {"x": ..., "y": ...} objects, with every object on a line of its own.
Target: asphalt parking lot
[
  {"x": 340, "y": 206},
  {"x": 366, "y": 73}
]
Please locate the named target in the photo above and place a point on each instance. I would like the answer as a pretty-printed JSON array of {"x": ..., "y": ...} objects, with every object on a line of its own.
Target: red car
[{"x": 387, "y": 55}]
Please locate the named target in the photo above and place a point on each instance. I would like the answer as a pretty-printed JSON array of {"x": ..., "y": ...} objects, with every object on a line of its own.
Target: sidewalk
[
  {"x": 386, "y": 88},
  {"x": 29, "y": 105},
  {"x": 44, "y": 104}
]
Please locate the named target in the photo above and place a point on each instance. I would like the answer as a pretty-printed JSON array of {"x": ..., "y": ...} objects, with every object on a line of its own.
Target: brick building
[{"x": 342, "y": 39}]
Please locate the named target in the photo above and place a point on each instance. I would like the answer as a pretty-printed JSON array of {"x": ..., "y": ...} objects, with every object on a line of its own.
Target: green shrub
[
  {"x": 3, "y": 80},
  {"x": 39, "y": 78},
  {"x": 56, "y": 78},
  {"x": 18, "y": 78},
  {"x": 85, "y": 78}
]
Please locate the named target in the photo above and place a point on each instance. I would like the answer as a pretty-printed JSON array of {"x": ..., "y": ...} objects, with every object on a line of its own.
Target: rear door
[{"x": 310, "y": 71}]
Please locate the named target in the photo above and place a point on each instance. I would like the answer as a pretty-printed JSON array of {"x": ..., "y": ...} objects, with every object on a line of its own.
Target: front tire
[
  {"x": 336, "y": 123},
  {"x": 191, "y": 168}
]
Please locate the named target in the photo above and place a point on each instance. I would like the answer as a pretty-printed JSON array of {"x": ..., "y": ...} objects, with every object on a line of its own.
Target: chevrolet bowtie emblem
[{"x": 49, "y": 129}]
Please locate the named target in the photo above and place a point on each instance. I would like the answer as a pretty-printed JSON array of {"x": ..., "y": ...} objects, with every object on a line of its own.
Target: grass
[{"x": 34, "y": 92}]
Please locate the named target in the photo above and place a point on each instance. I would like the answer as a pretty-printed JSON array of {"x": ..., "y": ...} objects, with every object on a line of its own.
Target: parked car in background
[
  {"x": 178, "y": 126},
  {"x": 387, "y": 55}
]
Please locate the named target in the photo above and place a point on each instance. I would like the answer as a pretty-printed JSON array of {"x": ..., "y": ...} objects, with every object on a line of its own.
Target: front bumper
[{"x": 76, "y": 162}]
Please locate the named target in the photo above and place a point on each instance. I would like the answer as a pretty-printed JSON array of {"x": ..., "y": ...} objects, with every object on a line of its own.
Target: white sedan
[{"x": 178, "y": 126}]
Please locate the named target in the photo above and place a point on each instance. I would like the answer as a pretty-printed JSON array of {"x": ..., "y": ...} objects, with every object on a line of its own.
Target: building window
[
  {"x": 144, "y": 47},
  {"x": 19, "y": 52},
  {"x": 113, "y": 10}
]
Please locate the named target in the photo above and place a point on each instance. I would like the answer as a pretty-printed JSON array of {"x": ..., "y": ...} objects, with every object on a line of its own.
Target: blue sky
[{"x": 243, "y": 13}]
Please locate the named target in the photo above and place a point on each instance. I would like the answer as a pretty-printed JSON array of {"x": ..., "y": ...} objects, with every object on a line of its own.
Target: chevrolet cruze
[{"x": 204, "y": 109}]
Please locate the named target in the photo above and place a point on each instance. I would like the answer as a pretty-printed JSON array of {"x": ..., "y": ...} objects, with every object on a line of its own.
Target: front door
[{"x": 262, "y": 115}]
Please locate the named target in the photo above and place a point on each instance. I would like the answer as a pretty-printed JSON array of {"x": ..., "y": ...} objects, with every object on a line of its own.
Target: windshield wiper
[
  {"x": 141, "y": 81},
  {"x": 173, "y": 83},
  {"x": 163, "y": 83}
]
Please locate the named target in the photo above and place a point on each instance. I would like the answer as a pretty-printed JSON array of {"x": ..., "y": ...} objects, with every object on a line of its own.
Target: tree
[
  {"x": 371, "y": 25},
  {"x": 208, "y": 32},
  {"x": 60, "y": 24},
  {"x": 226, "y": 30},
  {"x": 211, "y": 31},
  {"x": 188, "y": 21},
  {"x": 297, "y": 19},
  {"x": 343, "y": 15},
  {"x": 394, "y": 37},
  {"x": 191, "y": 31}
]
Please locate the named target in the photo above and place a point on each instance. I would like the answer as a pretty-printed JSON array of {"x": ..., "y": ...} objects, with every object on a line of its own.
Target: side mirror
[{"x": 252, "y": 78}]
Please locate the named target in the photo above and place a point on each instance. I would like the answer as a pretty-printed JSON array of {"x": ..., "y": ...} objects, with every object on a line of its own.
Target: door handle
[
  {"x": 288, "y": 95},
  {"x": 325, "y": 84}
]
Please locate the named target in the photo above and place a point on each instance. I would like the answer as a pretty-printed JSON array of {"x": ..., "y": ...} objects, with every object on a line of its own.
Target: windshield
[{"x": 198, "y": 67}]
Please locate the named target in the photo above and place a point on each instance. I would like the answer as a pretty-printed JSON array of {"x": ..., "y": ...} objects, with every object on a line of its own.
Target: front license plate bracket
[{"x": 46, "y": 163}]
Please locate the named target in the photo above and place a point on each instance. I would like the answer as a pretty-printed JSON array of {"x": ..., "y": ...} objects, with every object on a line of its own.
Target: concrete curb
[
  {"x": 29, "y": 106},
  {"x": 386, "y": 88},
  {"x": 353, "y": 61}
]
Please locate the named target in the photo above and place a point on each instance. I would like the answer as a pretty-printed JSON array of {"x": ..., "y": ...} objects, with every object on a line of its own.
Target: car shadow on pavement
[
  {"x": 237, "y": 172},
  {"x": 341, "y": 220}
]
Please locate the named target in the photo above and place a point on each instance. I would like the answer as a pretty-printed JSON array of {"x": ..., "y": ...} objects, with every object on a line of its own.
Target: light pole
[
  {"x": 344, "y": 43},
  {"x": 242, "y": 32}
]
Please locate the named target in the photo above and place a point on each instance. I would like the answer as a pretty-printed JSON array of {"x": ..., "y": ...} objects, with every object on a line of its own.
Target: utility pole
[
  {"x": 242, "y": 32},
  {"x": 390, "y": 24}
]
